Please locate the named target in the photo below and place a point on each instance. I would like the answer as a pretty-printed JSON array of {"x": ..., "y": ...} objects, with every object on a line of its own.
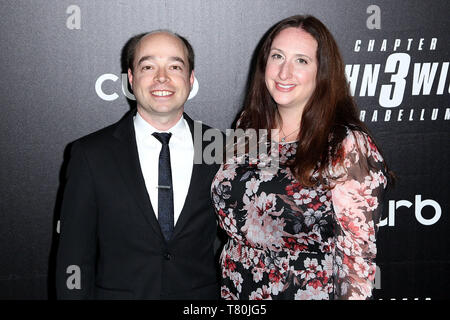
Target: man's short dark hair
[{"x": 134, "y": 41}]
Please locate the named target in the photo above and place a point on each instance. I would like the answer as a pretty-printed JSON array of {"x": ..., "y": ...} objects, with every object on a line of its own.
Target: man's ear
[
  {"x": 192, "y": 79},
  {"x": 130, "y": 78}
]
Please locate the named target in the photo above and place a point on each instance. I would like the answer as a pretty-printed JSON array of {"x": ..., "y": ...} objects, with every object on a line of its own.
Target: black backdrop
[{"x": 61, "y": 78}]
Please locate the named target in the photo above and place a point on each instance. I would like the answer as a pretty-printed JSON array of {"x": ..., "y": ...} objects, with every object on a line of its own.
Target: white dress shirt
[{"x": 181, "y": 148}]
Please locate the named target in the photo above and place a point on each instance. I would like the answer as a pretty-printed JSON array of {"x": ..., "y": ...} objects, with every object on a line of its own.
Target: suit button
[{"x": 167, "y": 256}]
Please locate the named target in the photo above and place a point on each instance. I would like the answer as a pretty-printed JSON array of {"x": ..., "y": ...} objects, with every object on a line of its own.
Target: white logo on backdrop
[
  {"x": 423, "y": 79},
  {"x": 406, "y": 76},
  {"x": 112, "y": 95},
  {"x": 419, "y": 204}
]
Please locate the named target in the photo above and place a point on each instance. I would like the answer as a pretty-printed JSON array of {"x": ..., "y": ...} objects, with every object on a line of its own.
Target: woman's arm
[{"x": 356, "y": 199}]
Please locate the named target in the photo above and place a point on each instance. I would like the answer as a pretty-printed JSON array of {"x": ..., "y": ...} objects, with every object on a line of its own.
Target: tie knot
[{"x": 163, "y": 137}]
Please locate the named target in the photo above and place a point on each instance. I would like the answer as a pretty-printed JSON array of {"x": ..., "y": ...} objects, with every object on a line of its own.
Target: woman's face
[{"x": 291, "y": 68}]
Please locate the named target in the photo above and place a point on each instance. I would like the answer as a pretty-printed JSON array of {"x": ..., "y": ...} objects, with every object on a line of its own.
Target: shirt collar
[{"x": 144, "y": 129}]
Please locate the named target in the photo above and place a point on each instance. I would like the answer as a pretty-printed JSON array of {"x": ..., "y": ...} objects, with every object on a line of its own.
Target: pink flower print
[
  {"x": 274, "y": 276},
  {"x": 315, "y": 283},
  {"x": 251, "y": 187},
  {"x": 327, "y": 264},
  {"x": 263, "y": 293},
  {"x": 311, "y": 264},
  {"x": 371, "y": 203},
  {"x": 257, "y": 274},
  {"x": 305, "y": 239},
  {"x": 237, "y": 279},
  {"x": 226, "y": 294}
]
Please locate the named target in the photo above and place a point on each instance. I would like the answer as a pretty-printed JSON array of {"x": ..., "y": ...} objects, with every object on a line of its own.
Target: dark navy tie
[{"x": 165, "y": 190}]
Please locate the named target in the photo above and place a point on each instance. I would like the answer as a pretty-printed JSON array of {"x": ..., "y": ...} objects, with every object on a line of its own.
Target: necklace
[{"x": 287, "y": 135}]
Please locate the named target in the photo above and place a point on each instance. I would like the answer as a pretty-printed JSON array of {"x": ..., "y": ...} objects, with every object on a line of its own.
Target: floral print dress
[{"x": 289, "y": 242}]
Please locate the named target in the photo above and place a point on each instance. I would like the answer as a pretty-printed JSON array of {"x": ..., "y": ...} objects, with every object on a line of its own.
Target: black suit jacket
[{"x": 109, "y": 230}]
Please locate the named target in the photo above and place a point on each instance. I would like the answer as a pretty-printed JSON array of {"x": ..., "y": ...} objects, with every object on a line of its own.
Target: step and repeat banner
[{"x": 63, "y": 76}]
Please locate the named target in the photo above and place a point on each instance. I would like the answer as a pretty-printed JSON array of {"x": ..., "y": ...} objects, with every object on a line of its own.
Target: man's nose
[{"x": 161, "y": 76}]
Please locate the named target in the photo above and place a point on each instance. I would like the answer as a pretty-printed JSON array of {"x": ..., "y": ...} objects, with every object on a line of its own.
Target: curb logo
[
  {"x": 124, "y": 85},
  {"x": 419, "y": 204}
]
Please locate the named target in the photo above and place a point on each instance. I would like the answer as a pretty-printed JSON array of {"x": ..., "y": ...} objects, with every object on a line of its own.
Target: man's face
[{"x": 160, "y": 80}]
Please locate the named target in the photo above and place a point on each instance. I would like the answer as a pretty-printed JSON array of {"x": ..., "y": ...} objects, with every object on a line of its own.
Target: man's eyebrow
[
  {"x": 177, "y": 59},
  {"x": 144, "y": 58},
  {"x": 174, "y": 58}
]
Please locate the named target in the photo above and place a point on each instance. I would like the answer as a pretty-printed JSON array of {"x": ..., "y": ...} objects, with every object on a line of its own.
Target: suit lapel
[
  {"x": 127, "y": 157},
  {"x": 195, "y": 177}
]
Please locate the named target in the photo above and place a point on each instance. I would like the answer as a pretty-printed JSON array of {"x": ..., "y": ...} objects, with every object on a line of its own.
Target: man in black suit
[{"x": 137, "y": 220}]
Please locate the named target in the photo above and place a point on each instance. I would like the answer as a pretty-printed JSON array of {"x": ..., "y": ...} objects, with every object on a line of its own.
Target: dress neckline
[{"x": 286, "y": 142}]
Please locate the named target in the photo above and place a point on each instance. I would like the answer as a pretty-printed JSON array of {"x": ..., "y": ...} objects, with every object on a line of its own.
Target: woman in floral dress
[{"x": 306, "y": 227}]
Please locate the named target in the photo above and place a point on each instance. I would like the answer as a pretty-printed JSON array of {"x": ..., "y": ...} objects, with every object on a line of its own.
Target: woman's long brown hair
[{"x": 329, "y": 111}]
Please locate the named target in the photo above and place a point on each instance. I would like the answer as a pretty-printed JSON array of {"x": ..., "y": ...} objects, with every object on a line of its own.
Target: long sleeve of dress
[{"x": 356, "y": 199}]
